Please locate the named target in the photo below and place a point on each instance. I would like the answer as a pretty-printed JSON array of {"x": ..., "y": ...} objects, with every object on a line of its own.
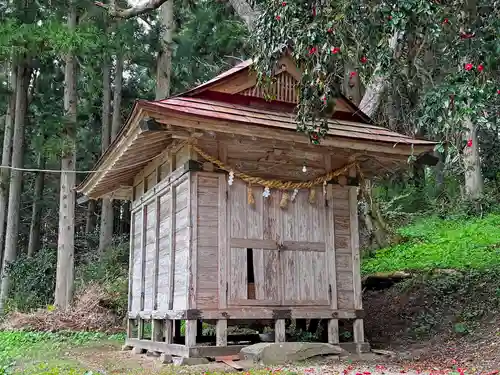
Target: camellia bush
[{"x": 437, "y": 59}]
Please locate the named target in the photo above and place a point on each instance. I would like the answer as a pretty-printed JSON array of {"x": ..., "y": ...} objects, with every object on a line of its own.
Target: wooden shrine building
[{"x": 236, "y": 216}]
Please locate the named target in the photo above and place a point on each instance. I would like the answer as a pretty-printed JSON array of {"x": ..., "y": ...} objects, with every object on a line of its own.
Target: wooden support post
[
  {"x": 168, "y": 331},
  {"x": 221, "y": 332},
  {"x": 190, "y": 334},
  {"x": 157, "y": 330},
  {"x": 333, "y": 331},
  {"x": 279, "y": 330},
  {"x": 358, "y": 329},
  {"x": 358, "y": 333},
  {"x": 130, "y": 328},
  {"x": 140, "y": 328}
]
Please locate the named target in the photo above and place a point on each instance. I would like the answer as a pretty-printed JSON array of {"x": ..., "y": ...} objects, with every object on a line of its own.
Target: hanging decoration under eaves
[{"x": 283, "y": 186}]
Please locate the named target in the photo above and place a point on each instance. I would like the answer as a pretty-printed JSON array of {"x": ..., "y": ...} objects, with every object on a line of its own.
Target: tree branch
[{"x": 117, "y": 12}]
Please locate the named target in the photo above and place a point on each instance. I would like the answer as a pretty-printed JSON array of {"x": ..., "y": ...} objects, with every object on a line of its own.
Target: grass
[
  {"x": 434, "y": 243},
  {"x": 40, "y": 352},
  {"x": 83, "y": 353}
]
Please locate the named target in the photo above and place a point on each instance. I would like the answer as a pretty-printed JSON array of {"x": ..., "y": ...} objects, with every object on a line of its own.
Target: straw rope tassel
[
  {"x": 250, "y": 197},
  {"x": 275, "y": 184},
  {"x": 284, "y": 199},
  {"x": 312, "y": 195}
]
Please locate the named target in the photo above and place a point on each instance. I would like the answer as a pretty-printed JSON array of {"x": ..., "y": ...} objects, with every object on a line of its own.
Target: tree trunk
[
  {"x": 106, "y": 105},
  {"x": 16, "y": 179},
  {"x": 90, "y": 219},
  {"x": 66, "y": 238},
  {"x": 6, "y": 158},
  {"x": 117, "y": 98},
  {"x": 439, "y": 171},
  {"x": 125, "y": 218},
  {"x": 377, "y": 85},
  {"x": 247, "y": 11},
  {"x": 164, "y": 62},
  {"x": 373, "y": 219},
  {"x": 107, "y": 209},
  {"x": 472, "y": 163},
  {"x": 106, "y": 227},
  {"x": 352, "y": 85},
  {"x": 36, "y": 214}
]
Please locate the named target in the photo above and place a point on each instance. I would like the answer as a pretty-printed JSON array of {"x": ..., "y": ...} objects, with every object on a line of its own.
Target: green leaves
[{"x": 427, "y": 62}]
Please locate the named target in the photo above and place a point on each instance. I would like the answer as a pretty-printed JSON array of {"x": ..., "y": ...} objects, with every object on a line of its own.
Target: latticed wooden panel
[{"x": 284, "y": 89}]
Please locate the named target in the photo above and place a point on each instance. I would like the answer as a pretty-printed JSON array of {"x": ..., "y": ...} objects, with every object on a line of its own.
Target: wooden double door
[{"x": 278, "y": 256}]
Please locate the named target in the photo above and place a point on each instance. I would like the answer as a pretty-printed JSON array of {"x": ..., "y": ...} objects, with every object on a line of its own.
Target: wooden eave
[{"x": 131, "y": 150}]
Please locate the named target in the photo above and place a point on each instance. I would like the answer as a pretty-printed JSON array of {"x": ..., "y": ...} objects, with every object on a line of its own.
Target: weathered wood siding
[
  {"x": 206, "y": 196},
  {"x": 181, "y": 242},
  {"x": 150, "y": 254},
  {"x": 136, "y": 262},
  {"x": 164, "y": 296},
  {"x": 160, "y": 243},
  {"x": 343, "y": 250}
]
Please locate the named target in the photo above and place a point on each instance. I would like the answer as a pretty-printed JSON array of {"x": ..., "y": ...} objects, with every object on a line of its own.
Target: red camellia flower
[
  {"x": 352, "y": 74},
  {"x": 312, "y": 51},
  {"x": 335, "y": 50},
  {"x": 283, "y": 3},
  {"x": 363, "y": 60},
  {"x": 446, "y": 20},
  {"x": 480, "y": 68},
  {"x": 330, "y": 30},
  {"x": 469, "y": 143},
  {"x": 469, "y": 66},
  {"x": 389, "y": 18},
  {"x": 498, "y": 91},
  {"x": 278, "y": 18}
]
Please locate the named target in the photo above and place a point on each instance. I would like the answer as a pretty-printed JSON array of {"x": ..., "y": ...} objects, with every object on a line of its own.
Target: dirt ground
[{"x": 107, "y": 359}]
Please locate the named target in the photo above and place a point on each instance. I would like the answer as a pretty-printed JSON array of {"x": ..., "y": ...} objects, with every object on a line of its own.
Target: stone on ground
[
  {"x": 165, "y": 358},
  {"x": 387, "y": 353},
  {"x": 183, "y": 361},
  {"x": 285, "y": 352},
  {"x": 138, "y": 350}
]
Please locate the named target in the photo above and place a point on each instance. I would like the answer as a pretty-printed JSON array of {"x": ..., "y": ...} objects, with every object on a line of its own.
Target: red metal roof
[
  {"x": 219, "y": 110},
  {"x": 235, "y": 69}
]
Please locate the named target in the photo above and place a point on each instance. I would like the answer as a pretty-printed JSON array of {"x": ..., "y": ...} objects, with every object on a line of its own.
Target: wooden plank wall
[
  {"x": 150, "y": 254},
  {"x": 343, "y": 251},
  {"x": 206, "y": 197},
  {"x": 136, "y": 261},
  {"x": 159, "y": 260},
  {"x": 181, "y": 242},
  {"x": 165, "y": 266}
]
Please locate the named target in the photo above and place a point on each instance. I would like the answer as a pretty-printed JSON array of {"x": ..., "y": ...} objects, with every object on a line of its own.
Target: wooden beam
[
  {"x": 287, "y": 135},
  {"x": 82, "y": 200},
  {"x": 253, "y": 312},
  {"x": 150, "y": 125}
]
